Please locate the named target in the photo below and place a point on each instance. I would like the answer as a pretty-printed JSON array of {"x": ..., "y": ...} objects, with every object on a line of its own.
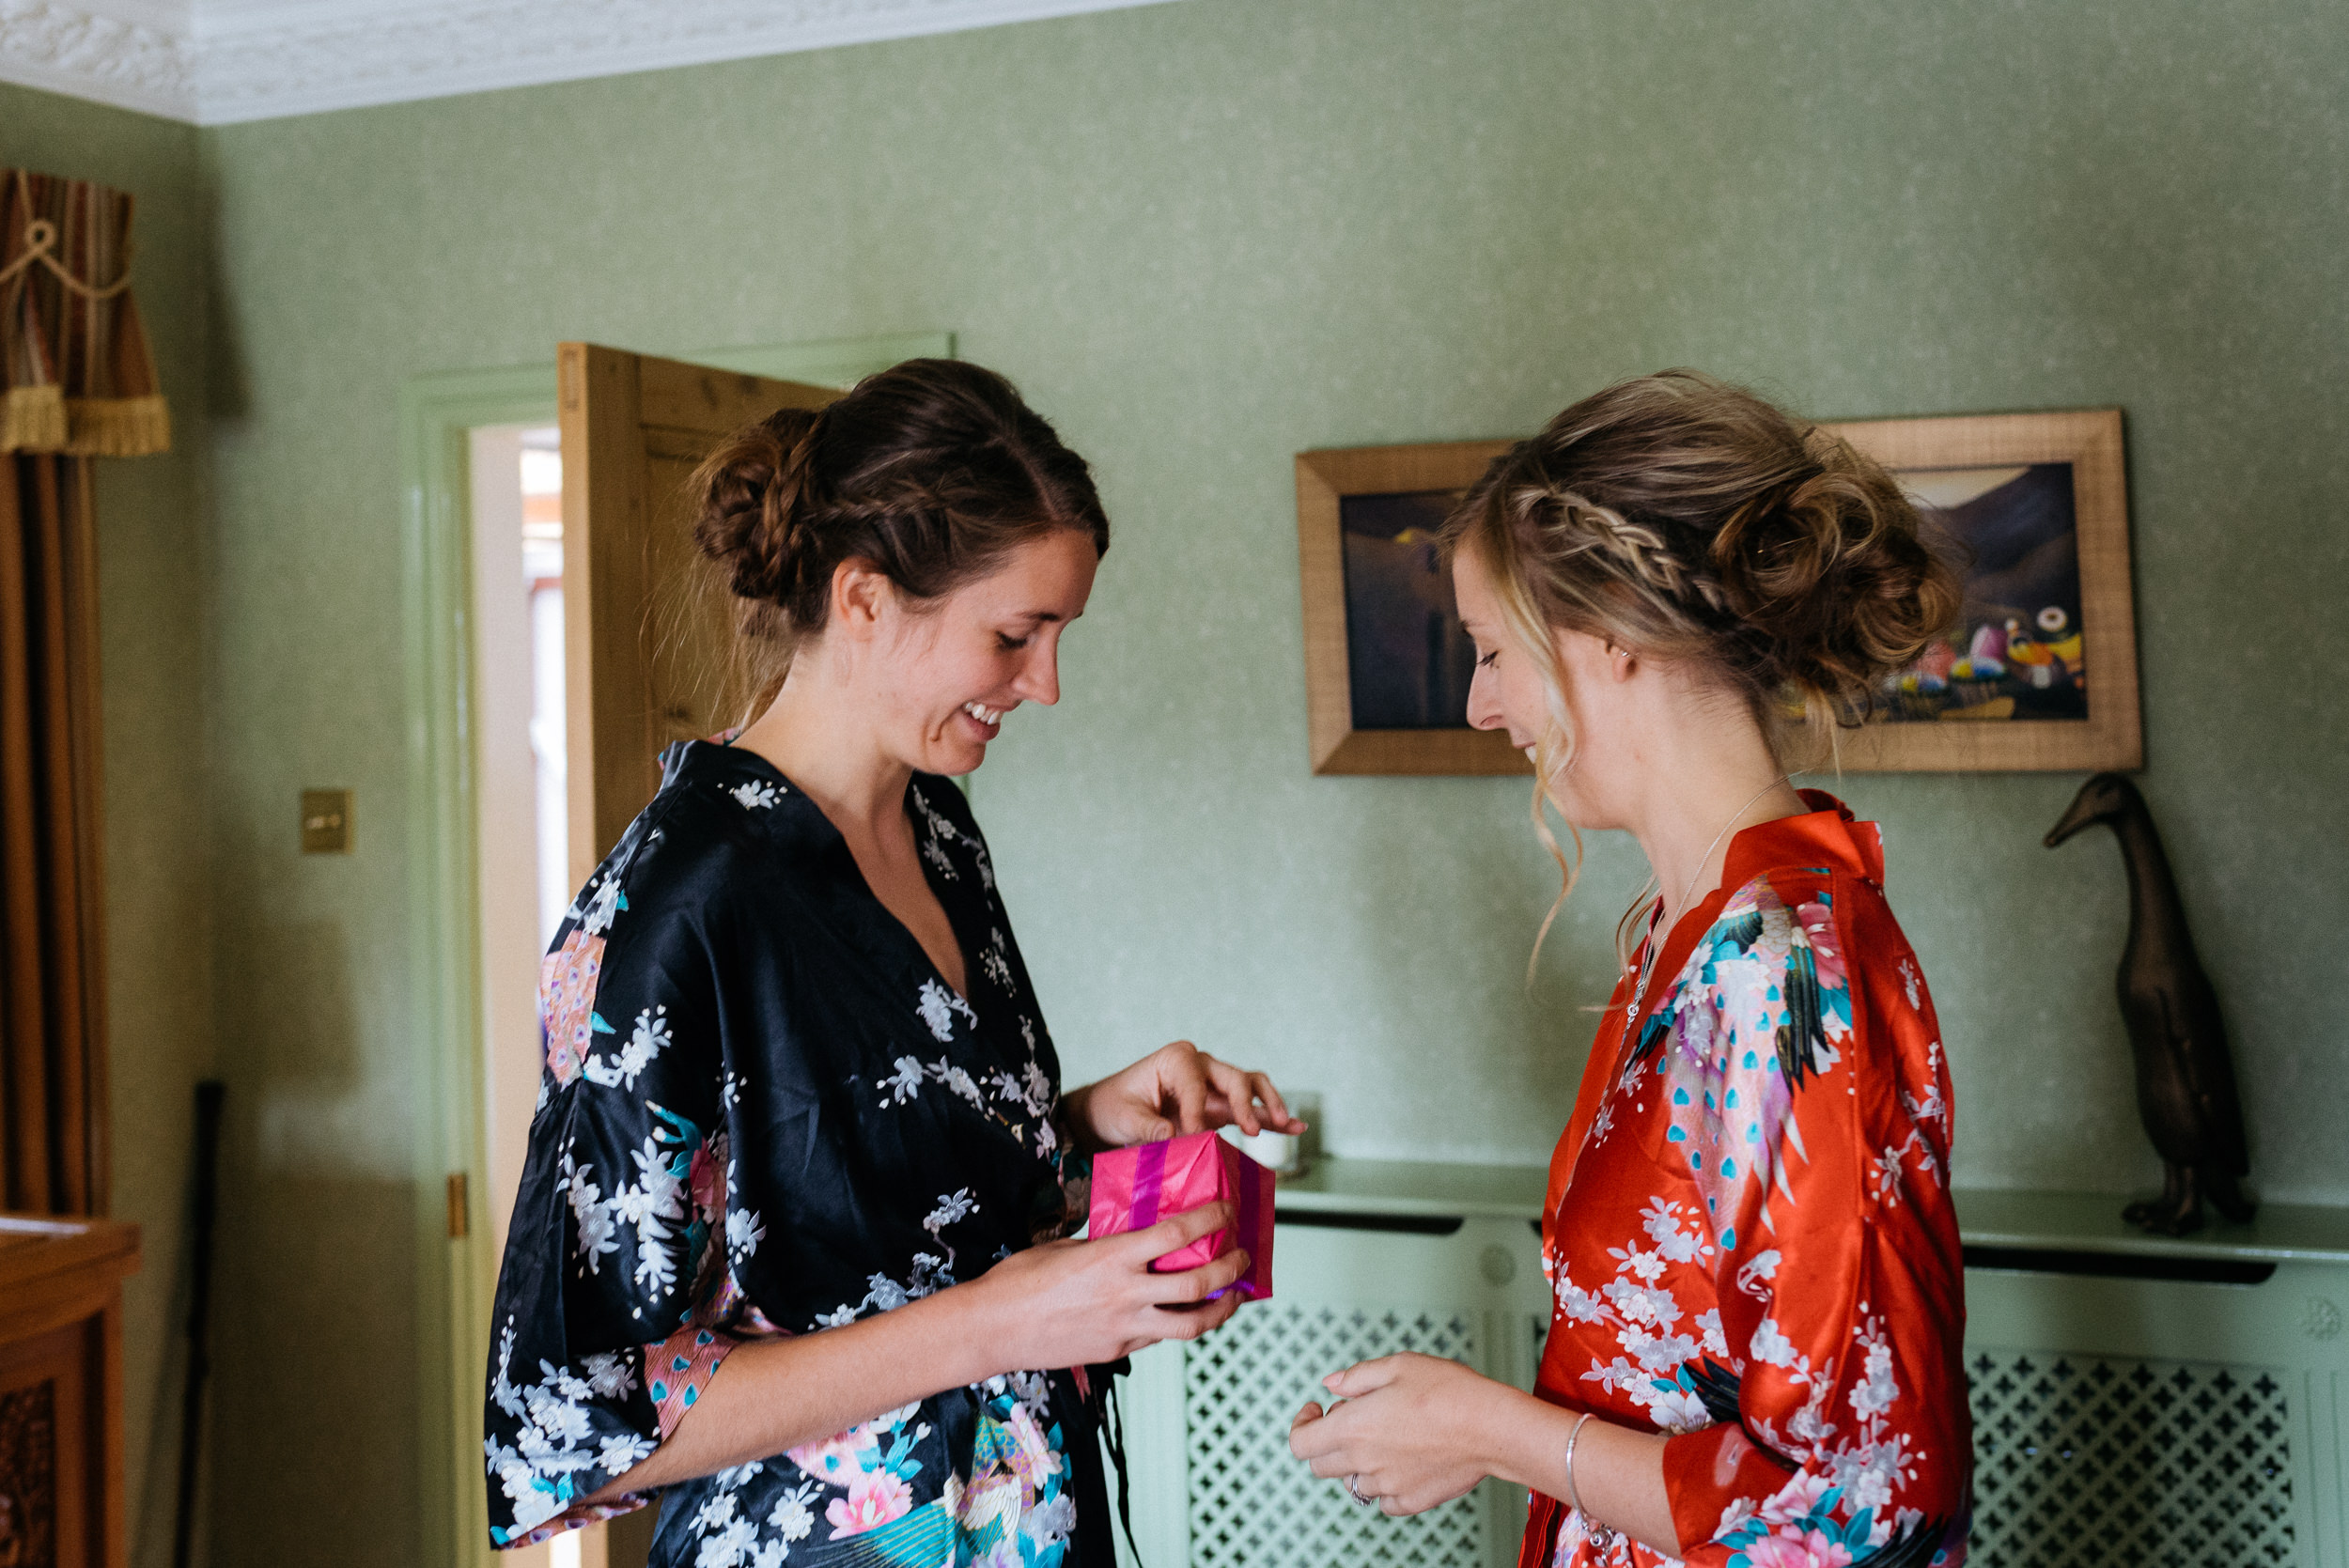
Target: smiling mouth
[{"x": 990, "y": 717}]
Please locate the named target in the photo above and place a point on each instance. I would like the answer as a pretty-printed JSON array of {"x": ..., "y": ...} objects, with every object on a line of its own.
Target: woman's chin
[
  {"x": 1578, "y": 814},
  {"x": 957, "y": 757}
]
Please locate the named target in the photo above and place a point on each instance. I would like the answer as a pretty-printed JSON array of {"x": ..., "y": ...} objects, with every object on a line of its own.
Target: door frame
[{"x": 455, "y": 1280}]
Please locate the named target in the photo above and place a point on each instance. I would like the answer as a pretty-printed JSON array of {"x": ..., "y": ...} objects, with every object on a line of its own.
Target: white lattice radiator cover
[
  {"x": 2082, "y": 1461},
  {"x": 2186, "y": 1422},
  {"x": 1254, "y": 1506}
]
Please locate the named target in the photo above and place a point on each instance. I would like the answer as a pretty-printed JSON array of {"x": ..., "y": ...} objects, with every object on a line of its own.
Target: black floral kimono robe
[{"x": 764, "y": 1112}]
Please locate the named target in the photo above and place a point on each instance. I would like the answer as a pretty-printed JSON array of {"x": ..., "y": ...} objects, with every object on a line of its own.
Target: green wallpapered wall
[
  {"x": 1204, "y": 237},
  {"x": 154, "y": 554}
]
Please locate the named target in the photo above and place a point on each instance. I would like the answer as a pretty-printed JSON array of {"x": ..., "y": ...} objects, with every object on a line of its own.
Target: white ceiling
[{"x": 215, "y": 62}]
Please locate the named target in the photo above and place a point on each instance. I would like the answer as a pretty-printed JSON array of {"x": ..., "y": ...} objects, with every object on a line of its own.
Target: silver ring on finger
[{"x": 1354, "y": 1490}]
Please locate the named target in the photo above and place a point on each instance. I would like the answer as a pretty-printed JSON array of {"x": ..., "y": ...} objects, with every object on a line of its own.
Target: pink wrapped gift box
[{"x": 1135, "y": 1188}]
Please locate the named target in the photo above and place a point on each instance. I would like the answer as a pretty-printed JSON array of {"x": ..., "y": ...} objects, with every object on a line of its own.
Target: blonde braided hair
[{"x": 1690, "y": 522}]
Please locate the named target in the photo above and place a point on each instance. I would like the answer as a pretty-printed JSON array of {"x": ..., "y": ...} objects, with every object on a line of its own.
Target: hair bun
[
  {"x": 1680, "y": 515},
  {"x": 747, "y": 495},
  {"x": 1833, "y": 578}
]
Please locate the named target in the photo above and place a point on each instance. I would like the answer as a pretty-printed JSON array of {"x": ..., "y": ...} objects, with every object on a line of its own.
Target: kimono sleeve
[
  {"x": 619, "y": 1230},
  {"x": 1839, "y": 1420}
]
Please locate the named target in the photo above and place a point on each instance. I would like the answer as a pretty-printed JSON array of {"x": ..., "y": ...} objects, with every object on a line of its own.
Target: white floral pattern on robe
[
  {"x": 765, "y": 1111},
  {"x": 1750, "y": 1242}
]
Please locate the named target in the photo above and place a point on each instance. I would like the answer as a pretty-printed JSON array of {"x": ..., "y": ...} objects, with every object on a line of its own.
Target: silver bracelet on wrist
[{"x": 1574, "y": 1496}]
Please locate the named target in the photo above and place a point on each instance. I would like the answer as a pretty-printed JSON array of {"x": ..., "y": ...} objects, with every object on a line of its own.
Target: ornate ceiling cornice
[
  {"x": 235, "y": 60},
  {"x": 122, "y": 59}
]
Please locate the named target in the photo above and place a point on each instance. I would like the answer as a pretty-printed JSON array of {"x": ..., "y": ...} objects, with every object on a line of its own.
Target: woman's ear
[
  {"x": 1589, "y": 658},
  {"x": 860, "y": 594}
]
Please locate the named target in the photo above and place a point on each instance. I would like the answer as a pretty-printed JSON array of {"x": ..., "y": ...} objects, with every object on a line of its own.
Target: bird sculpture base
[{"x": 2184, "y": 1190}]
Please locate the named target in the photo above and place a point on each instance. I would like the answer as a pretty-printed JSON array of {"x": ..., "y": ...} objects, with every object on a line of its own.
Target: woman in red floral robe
[{"x": 1754, "y": 1355}]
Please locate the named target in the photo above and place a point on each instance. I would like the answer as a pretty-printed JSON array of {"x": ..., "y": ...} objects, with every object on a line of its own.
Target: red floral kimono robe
[{"x": 1749, "y": 1232}]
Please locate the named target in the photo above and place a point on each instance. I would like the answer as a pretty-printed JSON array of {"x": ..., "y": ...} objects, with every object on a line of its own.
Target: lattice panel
[
  {"x": 2082, "y": 1461},
  {"x": 1254, "y": 1506}
]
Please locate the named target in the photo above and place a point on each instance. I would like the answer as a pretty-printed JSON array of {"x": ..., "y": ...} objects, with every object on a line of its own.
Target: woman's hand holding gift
[
  {"x": 1075, "y": 1303},
  {"x": 1175, "y": 1089}
]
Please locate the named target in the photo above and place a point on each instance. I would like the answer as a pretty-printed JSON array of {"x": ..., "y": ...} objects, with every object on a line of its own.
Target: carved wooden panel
[
  {"x": 28, "y": 1477},
  {"x": 61, "y": 1390},
  {"x": 44, "y": 1450}
]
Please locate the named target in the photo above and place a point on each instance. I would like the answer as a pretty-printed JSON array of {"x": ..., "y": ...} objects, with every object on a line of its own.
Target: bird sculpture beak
[{"x": 2081, "y": 813}]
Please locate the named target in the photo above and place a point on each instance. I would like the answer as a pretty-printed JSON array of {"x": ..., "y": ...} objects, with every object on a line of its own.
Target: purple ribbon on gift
[
  {"x": 1251, "y": 1201},
  {"x": 1149, "y": 1183}
]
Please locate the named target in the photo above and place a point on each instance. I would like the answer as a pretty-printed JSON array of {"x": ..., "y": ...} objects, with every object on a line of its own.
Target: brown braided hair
[{"x": 932, "y": 471}]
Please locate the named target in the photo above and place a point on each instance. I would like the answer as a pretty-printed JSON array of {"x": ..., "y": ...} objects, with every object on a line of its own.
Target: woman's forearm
[
  {"x": 769, "y": 1395},
  {"x": 1618, "y": 1472},
  {"x": 1057, "y": 1304}
]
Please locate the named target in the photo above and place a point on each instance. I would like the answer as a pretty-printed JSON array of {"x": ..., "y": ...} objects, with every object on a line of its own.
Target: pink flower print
[
  {"x": 1029, "y": 1457},
  {"x": 878, "y": 1497},
  {"x": 1795, "y": 1501},
  {"x": 838, "y": 1460},
  {"x": 707, "y": 1180},
  {"x": 566, "y": 1002},
  {"x": 1791, "y": 1548},
  {"x": 1827, "y": 947}
]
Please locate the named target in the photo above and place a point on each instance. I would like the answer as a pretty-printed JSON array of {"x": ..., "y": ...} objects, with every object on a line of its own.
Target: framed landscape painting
[
  {"x": 2041, "y": 672},
  {"x": 1387, "y": 665}
]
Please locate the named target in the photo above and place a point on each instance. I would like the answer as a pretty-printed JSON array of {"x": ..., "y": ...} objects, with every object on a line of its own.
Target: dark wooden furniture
[{"x": 61, "y": 1390}]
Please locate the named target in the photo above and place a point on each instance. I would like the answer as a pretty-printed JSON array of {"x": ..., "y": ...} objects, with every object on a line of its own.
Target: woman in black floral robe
[{"x": 796, "y": 1080}]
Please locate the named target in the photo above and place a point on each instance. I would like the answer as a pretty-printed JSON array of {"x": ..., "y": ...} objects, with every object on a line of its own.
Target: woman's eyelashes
[
  {"x": 1013, "y": 644},
  {"x": 1484, "y": 661}
]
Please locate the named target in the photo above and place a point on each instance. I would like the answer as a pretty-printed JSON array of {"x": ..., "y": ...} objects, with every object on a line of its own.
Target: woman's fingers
[
  {"x": 1248, "y": 1100},
  {"x": 1199, "y": 1283},
  {"x": 1314, "y": 1433},
  {"x": 1185, "y": 1078},
  {"x": 1190, "y": 1322},
  {"x": 1276, "y": 1114},
  {"x": 1180, "y": 1089},
  {"x": 1178, "y": 1231},
  {"x": 1333, "y": 1462},
  {"x": 1361, "y": 1377},
  {"x": 1232, "y": 1096}
]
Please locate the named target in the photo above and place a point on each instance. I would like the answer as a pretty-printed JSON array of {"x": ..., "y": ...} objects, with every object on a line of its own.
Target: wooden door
[{"x": 647, "y": 624}]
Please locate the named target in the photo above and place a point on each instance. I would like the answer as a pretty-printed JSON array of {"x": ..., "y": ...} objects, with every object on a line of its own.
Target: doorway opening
[
  {"x": 521, "y": 833},
  {"x": 521, "y": 819}
]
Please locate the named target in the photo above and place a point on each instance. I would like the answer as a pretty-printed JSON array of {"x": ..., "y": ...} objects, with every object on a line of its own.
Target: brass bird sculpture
[{"x": 2185, "y": 1091}]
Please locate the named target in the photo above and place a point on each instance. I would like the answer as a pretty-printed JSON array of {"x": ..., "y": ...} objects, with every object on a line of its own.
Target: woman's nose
[
  {"x": 1483, "y": 706},
  {"x": 1039, "y": 677}
]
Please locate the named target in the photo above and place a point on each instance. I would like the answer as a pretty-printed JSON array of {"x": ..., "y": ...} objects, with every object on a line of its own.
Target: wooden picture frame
[
  {"x": 1949, "y": 456},
  {"x": 1327, "y": 481},
  {"x": 1941, "y": 455}
]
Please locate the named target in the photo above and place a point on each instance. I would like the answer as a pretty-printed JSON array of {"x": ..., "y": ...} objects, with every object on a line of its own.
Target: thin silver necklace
[{"x": 1649, "y": 951}]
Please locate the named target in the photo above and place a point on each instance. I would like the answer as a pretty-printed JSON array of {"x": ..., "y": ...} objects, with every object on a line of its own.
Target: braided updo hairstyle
[
  {"x": 1689, "y": 521},
  {"x": 931, "y": 471}
]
